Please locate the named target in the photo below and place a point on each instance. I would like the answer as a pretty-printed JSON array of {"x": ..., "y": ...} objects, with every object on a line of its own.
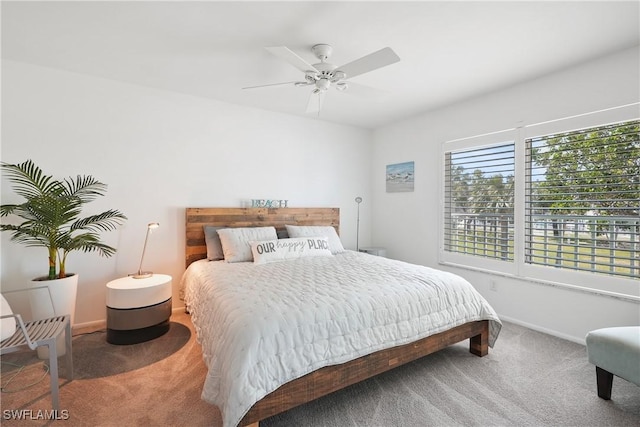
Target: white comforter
[{"x": 261, "y": 326}]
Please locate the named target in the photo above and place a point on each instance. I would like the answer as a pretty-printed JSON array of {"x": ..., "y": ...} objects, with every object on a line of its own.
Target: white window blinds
[
  {"x": 582, "y": 199},
  {"x": 479, "y": 200}
]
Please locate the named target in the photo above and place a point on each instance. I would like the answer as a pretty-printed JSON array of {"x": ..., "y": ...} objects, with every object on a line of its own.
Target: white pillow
[
  {"x": 8, "y": 325},
  {"x": 292, "y": 248},
  {"x": 335, "y": 245},
  {"x": 236, "y": 242}
]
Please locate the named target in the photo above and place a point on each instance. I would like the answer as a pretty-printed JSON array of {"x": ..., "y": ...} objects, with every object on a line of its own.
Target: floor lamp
[{"x": 358, "y": 201}]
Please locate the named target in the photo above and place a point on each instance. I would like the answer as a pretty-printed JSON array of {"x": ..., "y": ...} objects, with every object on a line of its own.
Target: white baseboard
[
  {"x": 544, "y": 330},
  {"x": 89, "y": 327},
  {"x": 178, "y": 309}
]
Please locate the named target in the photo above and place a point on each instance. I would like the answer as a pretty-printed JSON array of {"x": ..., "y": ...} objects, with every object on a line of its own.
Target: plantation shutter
[
  {"x": 479, "y": 200},
  {"x": 582, "y": 199}
]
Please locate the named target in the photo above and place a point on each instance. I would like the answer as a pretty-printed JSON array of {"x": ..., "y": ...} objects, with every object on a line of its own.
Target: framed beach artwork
[{"x": 400, "y": 177}]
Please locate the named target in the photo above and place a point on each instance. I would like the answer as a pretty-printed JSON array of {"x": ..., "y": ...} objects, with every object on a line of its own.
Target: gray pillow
[
  {"x": 282, "y": 233},
  {"x": 214, "y": 247}
]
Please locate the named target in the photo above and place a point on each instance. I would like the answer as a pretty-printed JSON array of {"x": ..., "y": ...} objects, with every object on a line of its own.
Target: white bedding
[{"x": 261, "y": 326}]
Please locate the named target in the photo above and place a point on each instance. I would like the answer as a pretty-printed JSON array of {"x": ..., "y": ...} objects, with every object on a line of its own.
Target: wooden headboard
[{"x": 196, "y": 218}]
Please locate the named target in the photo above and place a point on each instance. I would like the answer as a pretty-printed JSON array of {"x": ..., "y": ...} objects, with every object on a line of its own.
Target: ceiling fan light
[
  {"x": 323, "y": 84},
  {"x": 311, "y": 76},
  {"x": 339, "y": 75},
  {"x": 342, "y": 86}
]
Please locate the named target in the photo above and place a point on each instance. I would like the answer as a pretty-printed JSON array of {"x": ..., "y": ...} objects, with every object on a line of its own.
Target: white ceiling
[{"x": 449, "y": 50}]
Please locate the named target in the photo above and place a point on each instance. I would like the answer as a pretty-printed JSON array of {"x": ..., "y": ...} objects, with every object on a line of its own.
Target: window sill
[{"x": 576, "y": 288}]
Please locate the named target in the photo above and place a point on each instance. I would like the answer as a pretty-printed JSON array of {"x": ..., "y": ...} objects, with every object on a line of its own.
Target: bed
[{"x": 279, "y": 334}]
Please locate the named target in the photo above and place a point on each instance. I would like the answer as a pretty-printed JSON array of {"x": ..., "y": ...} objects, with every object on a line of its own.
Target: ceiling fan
[{"x": 324, "y": 75}]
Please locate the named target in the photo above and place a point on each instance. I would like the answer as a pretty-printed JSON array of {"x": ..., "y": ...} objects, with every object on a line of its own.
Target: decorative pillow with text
[
  {"x": 285, "y": 249},
  {"x": 335, "y": 245}
]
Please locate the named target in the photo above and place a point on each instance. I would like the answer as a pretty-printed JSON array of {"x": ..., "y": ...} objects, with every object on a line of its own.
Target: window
[
  {"x": 582, "y": 206},
  {"x": 557, "y": 202},
  {"x": 479, "y": 195}
]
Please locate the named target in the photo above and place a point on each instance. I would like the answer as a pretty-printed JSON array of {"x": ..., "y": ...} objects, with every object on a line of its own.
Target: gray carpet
[{"x": 528, "y": 379}]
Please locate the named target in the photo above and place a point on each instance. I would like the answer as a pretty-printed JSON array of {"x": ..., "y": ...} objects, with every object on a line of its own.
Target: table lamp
[{"x": 144, "y": 274}]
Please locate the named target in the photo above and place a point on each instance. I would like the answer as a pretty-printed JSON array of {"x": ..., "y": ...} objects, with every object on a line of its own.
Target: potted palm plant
[{"x": 50, "y": 218}]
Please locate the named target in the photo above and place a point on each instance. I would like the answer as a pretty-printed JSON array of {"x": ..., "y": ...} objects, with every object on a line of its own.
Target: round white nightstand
[{"x": 138, "y": 310}]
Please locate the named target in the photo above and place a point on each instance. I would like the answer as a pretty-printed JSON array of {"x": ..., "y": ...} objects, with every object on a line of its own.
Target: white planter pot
[{"x": 62, "y": 301}]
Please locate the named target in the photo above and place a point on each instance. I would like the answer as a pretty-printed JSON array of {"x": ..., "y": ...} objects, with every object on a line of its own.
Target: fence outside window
[
  {"x": 609, "y": 245},
  {"x": 599, "y": 244},
  {"x": 487, "y": 235}
]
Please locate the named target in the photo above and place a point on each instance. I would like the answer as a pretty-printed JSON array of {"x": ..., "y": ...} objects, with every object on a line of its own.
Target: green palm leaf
[
  {"x": 106, "y": 221},
  {"x": 29, "y": 180},
  {"x": 50, "y": 213},
  {"x": 85, "y": 188}
]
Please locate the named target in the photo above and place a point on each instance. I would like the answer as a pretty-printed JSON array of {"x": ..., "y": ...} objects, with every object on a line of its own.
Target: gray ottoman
[{"x": 614, "y": 351}]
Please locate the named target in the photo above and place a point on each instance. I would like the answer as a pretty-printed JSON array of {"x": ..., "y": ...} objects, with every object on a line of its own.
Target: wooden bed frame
[{"x": 331, "y": 378}]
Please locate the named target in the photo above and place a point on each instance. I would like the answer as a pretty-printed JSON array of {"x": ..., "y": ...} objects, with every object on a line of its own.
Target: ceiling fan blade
[
  {"x": 291, "y": 57},
  {"x": 363, "y": 91},
  {"x": 373, "y": 61},
  {"x": 315, "y": 102},
  {"x": 278, "y": 84}
]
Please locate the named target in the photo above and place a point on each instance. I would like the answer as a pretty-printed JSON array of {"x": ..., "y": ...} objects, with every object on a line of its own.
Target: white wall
[
  {"x": 407, "y": 223},
  {"x": 160, "y": 152}
]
